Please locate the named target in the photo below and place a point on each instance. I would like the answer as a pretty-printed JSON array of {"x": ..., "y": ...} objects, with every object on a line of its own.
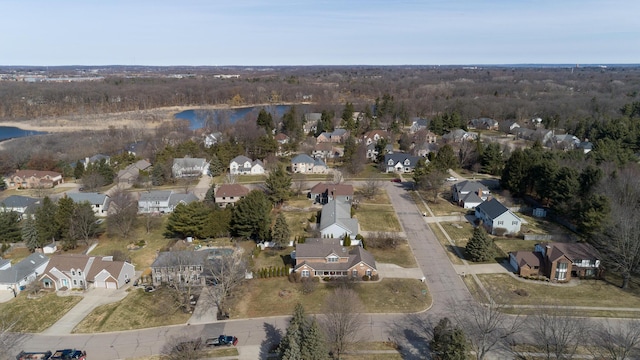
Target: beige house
[
  {"x": 230, "y": 193},
  {"x": 33, "y": 179}
]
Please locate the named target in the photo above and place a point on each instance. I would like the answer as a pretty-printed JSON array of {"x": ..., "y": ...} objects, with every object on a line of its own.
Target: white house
[
  {"x": 497, "y": 218},
  {"x": 242, "y": 165},
  {"x": 305, "y": 164},
  {"x": 400, "y": 163},
  {"x": 336, "y": 221},
  {"x": 21, "y": 204},
  {"x": 18, "y": 276},
  {"x": 99, "y": 202},
  {"x": 76, "y": 271},
  {"x": 212, "y": 139},
  {"x": 469, "y": 194},
  {"x": 162, "y": 201},
  {"x": 189, "y": 167}
]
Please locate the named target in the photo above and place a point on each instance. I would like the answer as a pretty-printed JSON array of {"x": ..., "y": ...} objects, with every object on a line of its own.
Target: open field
[
  {"x": 278, "y": 296},
  {"x": 36, "y": 315},
  {"x": 136, "y": 311}
]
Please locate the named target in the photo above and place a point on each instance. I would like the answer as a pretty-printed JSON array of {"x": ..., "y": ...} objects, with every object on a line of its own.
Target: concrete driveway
[{"x": 395, "y": 271}]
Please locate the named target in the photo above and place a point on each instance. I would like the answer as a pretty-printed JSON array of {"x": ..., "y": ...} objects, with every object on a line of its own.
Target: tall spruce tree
[
  {"x": 46, "y": 222},
  {"x": 290, "y": 345},
  {"x": 251, "y": 216},
  {"x": 449, "y": 342},
  {"x": 63, "y": 217},
  {"x": 480, "y": 246},
  {"x": 10, "y": 226},
  {"x": 280, "y": 233},
  {"x": 30, "y": 234},
  {"x": 278, "y": 185},
  {"x": 313, "y": 344}
]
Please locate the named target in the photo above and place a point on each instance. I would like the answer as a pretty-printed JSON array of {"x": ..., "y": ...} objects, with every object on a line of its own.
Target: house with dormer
[
  {"x": 242, "y": 165},
  {"x": 16, "y": 277},
  {"x": 327, "y": 258},
  {"x": 76, "y": 271},
  {"x": 322, "y": 193},
  {"x": 469, "y": 194},
  {"x": 373, "y": 136},
  {"x": 305, "y": 164},
  {"x": 400, "y": 163},
  {"x": 497, "y": 219}
]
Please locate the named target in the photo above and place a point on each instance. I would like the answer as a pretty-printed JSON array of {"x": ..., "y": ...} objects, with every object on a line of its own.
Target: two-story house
[
  {"x": 326, "y": 151},
  {"x": 336, "y": 221},
  {"x": 242, "y": 165},
  {"x": 131, "y": 173},
  {"x": 189, "y": 167},
  {"x": 372, "y": 152},
  {"x": 558, "y": 261},
  {"x": 400, "y": 163},
  {"x": 458, "y": 136},
  {"x": 327, "y": 258},
  {"x": 212, "y": 139},
  {"x": 162, "y": 201},
  {"x": 418, "y": 124},
  {"x": 95, "y": 159},
  {"x": 23, "y": 205},
  {"x": 497, "y": 218},
  {"x": 99, "y": 202},
  {"x": 322, "y": 193},
  {"x": 469, "y": 194},
  {"x": 336, "y": 136},
  {"x": 18, "y": 276},
  {"x": 33, "y": 179},
  {"x": 229, "y": 194},
  {"x": 185, "y": 267},
  {"x": 305, "y": 164},
  {"x": 373, "y": 136},
  {"x": 76, "y": 271}
]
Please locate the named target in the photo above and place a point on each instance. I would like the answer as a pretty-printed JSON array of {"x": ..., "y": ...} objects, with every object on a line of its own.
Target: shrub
[
  {"x": 366, "y": 278},
  {"x": 313, "y": 219},
  {"x": 326, "y": 278},
  {"x": 375, "y": 277},
  {"x": 308, "y": 285},
  {"x": 359, "y": 237},
  {"x": 294, "y": 277},
  {"x": 347, "y": 240},
  {"x": 500, "y": 231}
]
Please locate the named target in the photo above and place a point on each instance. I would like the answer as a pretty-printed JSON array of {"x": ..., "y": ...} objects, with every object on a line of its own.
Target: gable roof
[
  {"x": 469, "y": 186},
  {"x": 573, "y": 251},
  {"x": 93, "y": 265},
  {"x": 321, "y": 250},
  {"x": 400, "y": 158},
  {"x": 338, "y": 212},
  {"x": 36, "y": 173},
  {"x": 189, "y": 162},
  {"x": 231, "y": 190},
  {"x": 22, "y": 269},
  {"x": 493, "y": 208},
  {"x": 185, "y": 257},
  {"x": 175, "y": 199},
  {"x": 92, "y": 197},
  {"x": 155, "y": 195},
  {"x": 281, "y": 137},
  {"x": 529, "y": 258},
  {"x": 240, "y": 159},
  {"x": 18, "y": 201},
  {"x": 303, "y": 158},
  {"x": 335, "y": 189}
]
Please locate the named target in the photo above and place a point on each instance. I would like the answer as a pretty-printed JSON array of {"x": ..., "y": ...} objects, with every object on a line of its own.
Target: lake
[
  {"x": 11, "y": 132},
  {"x": 199, "y": 118}
]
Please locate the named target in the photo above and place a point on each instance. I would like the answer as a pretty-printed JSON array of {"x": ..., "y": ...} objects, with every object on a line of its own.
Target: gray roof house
[
  {"x": 162, "y": 201},
  {"x": 16, "y": 277},
  {"x": 305, "y": 164},
  {"x": 311, "y": 122},
  {"x": 469, "y": 194},
  {"x": 329, "y": 258},
  {"x": 372, "y": 153},
  {"x": 99, "y": 202},
  {"x": 336, "y": 221},
  {"x": 242, "y": 165},
  {"x": 497, "y": 218},
  {"x": 400, "y": 163},
  {"x": 95, "y": 159},
  {"x": 130, "y": 173},
  {"x": 459, "y": 135},
  {"x": 189, "y": 167},
  {"x": 20, "y": 204},
  {"x": 336, "y": 136},
  {"x": 418, "y": 124},
  {"x": 483, "y": 123},
  {"x": 184, "y": 266}
]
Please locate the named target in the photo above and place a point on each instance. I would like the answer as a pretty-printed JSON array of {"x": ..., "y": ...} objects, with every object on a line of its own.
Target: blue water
[
  {"x": 198, "y": 118},
  {"x": 10, "y": 132}
]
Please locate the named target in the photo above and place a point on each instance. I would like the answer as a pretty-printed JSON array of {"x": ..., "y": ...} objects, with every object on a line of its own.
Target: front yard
[
  {"x": 36, "y": 315},
  {"x": 375, "y": 217}
]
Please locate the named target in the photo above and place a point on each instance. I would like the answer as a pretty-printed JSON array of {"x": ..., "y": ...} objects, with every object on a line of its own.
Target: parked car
[
  {"x": 40, "y": 355},
  {"x": 452, "y": 178},
  {"x": 396, "y": 180},
  {"x": 221, "y": 340},
  {"x": 69, "y": 354}
]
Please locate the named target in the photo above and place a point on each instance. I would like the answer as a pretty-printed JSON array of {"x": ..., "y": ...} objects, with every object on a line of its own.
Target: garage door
[
  {"x": 99, "y": 285},
  {"x": 111, "y": 285}
]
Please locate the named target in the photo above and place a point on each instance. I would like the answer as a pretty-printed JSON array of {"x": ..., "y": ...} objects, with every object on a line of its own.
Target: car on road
[
  {"x": 452, "y": 178},
  {"x": 396, "y": 180},
  {"x": 222, "y": 340}
]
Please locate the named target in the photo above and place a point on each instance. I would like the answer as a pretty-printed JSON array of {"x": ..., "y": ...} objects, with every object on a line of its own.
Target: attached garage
[{"x": 111, "y": 284}]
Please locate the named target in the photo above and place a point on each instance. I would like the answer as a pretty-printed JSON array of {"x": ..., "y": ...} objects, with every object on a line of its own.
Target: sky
[{"x": 322, "y": 32}]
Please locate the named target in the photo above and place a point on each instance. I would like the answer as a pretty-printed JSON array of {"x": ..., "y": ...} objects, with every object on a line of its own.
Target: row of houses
[{"x": 65, "y": 272}]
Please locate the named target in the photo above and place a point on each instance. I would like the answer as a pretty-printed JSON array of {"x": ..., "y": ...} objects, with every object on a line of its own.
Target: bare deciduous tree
[
  {"x": 299, "y": 183},
  {"x": 486, "y": 326},
  {"x": 226, "y": 272},
  {"x": 617, "y": 340},
  {"x": 371, "y": 187},
  {"x": 122, "y": 213},
  {"x": 342, "y": 320},
  {"x": 182, "y": 348},
  {"x": 83, "y": 222},
  {"x": 556, "y": 332}
]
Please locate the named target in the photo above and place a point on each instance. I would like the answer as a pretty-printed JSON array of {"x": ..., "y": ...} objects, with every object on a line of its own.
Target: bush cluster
[{"x": 273, "y": 272}]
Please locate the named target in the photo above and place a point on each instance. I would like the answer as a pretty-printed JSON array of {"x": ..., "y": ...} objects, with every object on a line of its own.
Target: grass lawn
[
  {"x": 36, "y": 315},
  {"x": 272, "y": 258},
  {"x": 587, "y": 293},
  {"x": 541, "y": 226},
  {"x": 299, "y": 201},
  {"x": 297, "y": 221},
  {"x": 278, "y": 296},
  {"x": 367, "y": 172},
  {"x": 460, "y": 232},
  {"x": 364, "y": 356},
  {"x": 206, "y": 354},
  {"x": 141, "y": 258},
  {"x": 507, "y": 245},
  {"x": 453, "y": 257},
  {"x": 377, "y": 218},
  {"x": 443, "y": 207},
  {"x": 401, "y": 255},
  {"x": 16, "y": 254},
  {"x": 137, "y": 311}
]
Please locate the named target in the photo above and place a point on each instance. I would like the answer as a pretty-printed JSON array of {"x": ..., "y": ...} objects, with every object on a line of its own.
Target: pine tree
[
  {"x": 9, "y": 226},
  {"x": 215, "y": 166},
  {"x": 278, "y": 185},
  {"x": 251, "y": 216},
  {"x": 187, "y": 220},
  {"x": 291, "y": 349},
  {"x": 280, "y": 234},
  {"x": 46, "y": 222},
  {"x": 30, "y": 234},
  {"x": 63, "y": 216},
  {"x": 265, "y": 120},
  {"x": 313, "y": 344},
  {"x": 449, "y": 342},
  {"x": 480, "y": 246},
  {"x": 78, "y": 171},
  {"x": 347, "y": 240}
]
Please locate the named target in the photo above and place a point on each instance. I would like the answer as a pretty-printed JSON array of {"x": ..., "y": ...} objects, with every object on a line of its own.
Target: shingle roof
[
  {"x": 92, "y": 197},
  {"x": 36, "y": 173},
  {"x": 574, "y": 251},
  {"x": 175, "y": 199},
  {"x": 320, "y": 250},
  {"x": 173, "y": 258},
  {"x": 493, "y": 208},
  {"x": 302, "y": 159},
  {"x": 156, "y": 195},
  {"x": 18, "y": 201},
  {"x": 240, "y": 159},
  {"x": 189, "y": 163},
  {"x": 231, "y": 190},
  {"x": 22, "y": 269},
  {"x": 336, "y": 189},
  {"x": 338, "y": 212},
  {"x": 400, "y": 158},
  {"x": 529, "y": 258},
  {"x": 469, "y": 186}
]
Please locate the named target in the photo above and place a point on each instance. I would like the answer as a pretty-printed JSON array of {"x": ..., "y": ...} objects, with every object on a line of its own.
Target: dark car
[
  {"x": 68, "y": 354},
  {"x": 221, "y": 340},
  {"x": 396, "y": 180}
]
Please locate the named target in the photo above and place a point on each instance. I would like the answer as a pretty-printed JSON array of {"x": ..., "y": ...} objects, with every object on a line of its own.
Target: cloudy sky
[{"x": 322, "y": 32}]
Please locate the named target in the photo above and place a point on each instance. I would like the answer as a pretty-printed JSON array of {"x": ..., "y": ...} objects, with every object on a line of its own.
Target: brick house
[
  {"x": 326, "y": 257},
  {"x": 33, "y": 179},
  {"x": 558, "y": 261},
  {"x": 322, "y": 193}
]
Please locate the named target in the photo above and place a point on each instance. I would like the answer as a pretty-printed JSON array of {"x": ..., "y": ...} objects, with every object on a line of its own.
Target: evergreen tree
[
  {"x": 78, "y": 171},
  {"x": 491, "y": 159},
  {"x": 10, "y": 226},
  {"x": 291, "y": 349},
  {"x": 515, "y": 173},
  {"x": 480, "y": 246},
  {"x": 278, "y": 185},
  {"x": 159, "y": 174},
  {"x": 218, "y": 221},
  {"x": 251, "y": 216},
  {"x": 210, "y": 196},
  {"x": 313, "y": 344},
  {"x": 449, "y": 342},
  {"x": 187, "y": 220},
  {"x": 346, "y": 241},
  {"x": 280, "y": 234},
  {"x": 215, "y": 166},
  {"x": 445, "y": 159},
  {"x": 380, "y": 149},
  {"x": 265, "y": 120},
  {"x": 64, "y": 213},
  {"x": 46, "y": 222},
  {"x": 30, "y": 234},
  {"x": 347, "y": 117}
]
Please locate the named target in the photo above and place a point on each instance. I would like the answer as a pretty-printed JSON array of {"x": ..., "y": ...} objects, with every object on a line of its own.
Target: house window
[
  {"x": 73, "y": 272},
  {"x": 561, "y": 271},
  {"x": 514, "y": 223},
  {"x": 354, "y": 273},
  {"x": 79, "y": 273},
  {"x": 81, "y": 283},
  {"x": 368, "y": 272},
  {"x": 305, "y": 273},
  {"x": 500, "y": 222},
  {"x": 332, "y": 259},
  {"x": 75, "y": 283}
]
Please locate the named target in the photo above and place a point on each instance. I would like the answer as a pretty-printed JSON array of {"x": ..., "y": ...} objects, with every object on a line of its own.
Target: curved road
[{"x": 257, "y": 335}]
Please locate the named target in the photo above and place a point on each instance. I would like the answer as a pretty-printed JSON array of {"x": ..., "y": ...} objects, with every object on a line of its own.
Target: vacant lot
[
  {"x": 137, "y": 311},
  {"x": 373, "y": 217},
  {"x": 278, "y": 296},
  {"x": 36, "y": 315},
  {"x": 401, "y": 255},
  {"x": 580, "y": 293},
  {"x": 442, "y": 207}
]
